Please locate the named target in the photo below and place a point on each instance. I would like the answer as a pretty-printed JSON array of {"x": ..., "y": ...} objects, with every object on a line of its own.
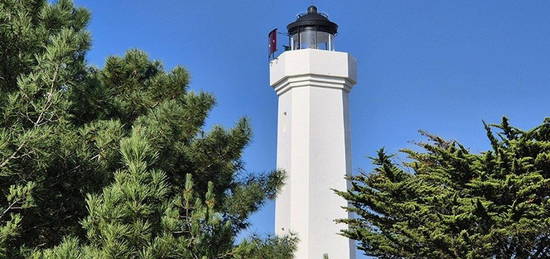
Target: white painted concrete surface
[{"x": 313, "y": 147}]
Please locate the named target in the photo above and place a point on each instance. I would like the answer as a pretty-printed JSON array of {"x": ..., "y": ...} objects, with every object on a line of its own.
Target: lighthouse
[{"x": 312, "y": 81}]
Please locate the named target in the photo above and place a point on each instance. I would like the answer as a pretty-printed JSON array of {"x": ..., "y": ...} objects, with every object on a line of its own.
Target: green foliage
[
  {"x": 137, "y": 217},
  {"x": 447, "y": 202},
  {"x": 18, "y": 198},
  {"x": 41, "y": 56},
  {"x": 114, "y": 161},
  {"x": 257, "y": 248}
]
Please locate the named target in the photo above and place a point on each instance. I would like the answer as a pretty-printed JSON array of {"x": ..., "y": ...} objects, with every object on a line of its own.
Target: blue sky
[{"x": 441, "y": 66}]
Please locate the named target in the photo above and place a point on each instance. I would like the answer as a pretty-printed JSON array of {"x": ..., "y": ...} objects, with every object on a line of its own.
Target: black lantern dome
[
  {"x": 312, "y": 20},
  {"x": 312, "y": 30}
]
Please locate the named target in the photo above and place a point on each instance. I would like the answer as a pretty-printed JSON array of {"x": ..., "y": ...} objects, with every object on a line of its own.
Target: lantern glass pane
[{"x": 311, "y": 39}]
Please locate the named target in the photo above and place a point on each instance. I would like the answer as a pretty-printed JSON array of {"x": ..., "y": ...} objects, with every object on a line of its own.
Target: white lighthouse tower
[{"x": 312, "y": 81}]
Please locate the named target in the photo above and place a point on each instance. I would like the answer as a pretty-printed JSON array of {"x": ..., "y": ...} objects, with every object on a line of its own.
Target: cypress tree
[
  {"x": 447, "y": 202},
  {"x": 98, "y": 162}
]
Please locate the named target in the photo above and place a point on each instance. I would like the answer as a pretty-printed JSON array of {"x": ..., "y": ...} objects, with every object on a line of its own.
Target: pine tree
[
  {"x": 95, "y": 161},
  {"x": 41, "y": 55},
  {"x": 447, "y": 202},
  {"x": 137, "y": 217}
]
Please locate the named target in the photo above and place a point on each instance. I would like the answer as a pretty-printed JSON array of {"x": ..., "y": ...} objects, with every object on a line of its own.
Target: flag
[{"x": 272, "y": 42}]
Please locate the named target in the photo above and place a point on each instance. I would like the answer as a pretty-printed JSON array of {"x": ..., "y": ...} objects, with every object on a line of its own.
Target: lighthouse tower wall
[{"x": 313, "y": 147}]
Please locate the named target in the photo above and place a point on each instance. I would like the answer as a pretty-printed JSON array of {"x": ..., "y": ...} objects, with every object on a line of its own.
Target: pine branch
[
  {"x": 49, "y": 98},
  {"x": 13, "y": 155},
  {"x": 10, "y": 207}
]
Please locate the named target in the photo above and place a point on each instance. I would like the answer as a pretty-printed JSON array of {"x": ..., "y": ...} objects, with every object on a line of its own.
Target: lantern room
[{"x": 312, "y": 30}]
